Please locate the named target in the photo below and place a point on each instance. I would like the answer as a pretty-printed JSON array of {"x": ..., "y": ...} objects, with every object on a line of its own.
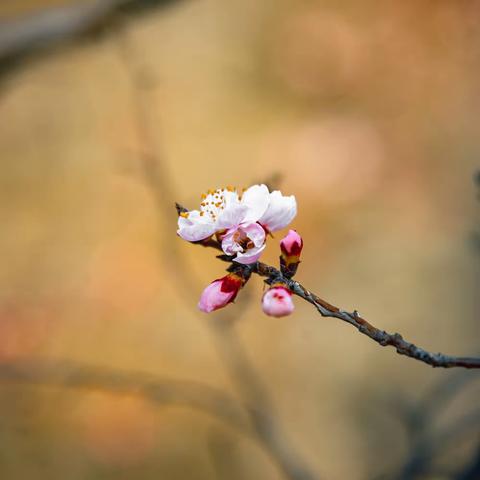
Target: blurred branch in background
[
  {"x": 162, "y": 391},
  {"x": 476, "y": 233},
  {"x": 241, "y": 371},
  {"x": 426, "y": 442},
  {"x": 472, "y": 469},
  {"x": 27, "y": 37}
]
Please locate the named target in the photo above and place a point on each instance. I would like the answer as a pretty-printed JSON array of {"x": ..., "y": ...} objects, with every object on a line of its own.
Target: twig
[{"x": 380, "y": 336}]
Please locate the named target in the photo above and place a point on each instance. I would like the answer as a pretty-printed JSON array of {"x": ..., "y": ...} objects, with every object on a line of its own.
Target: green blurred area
[{"x": 368, "y": 110}]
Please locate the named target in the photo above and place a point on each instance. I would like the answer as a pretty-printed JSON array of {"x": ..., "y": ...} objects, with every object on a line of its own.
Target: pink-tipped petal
[{"x": 277, "y": 302}]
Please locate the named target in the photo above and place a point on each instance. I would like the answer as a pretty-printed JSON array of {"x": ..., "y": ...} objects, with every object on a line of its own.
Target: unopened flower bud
[
  {"x": 277, "y": 301},
  {"x": 291, "y": 246},
  {"x": 220, "y": 292}
]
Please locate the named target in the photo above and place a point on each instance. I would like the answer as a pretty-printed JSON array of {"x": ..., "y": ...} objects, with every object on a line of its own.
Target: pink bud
[
  {"x": 277, "y": 302},
  {"x": 220, "y": 293},
  {"x": 291, "y": 247},
  {"x": 292, "y": 244}
]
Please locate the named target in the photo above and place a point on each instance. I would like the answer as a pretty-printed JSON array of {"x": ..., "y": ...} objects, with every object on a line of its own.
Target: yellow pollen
[
  {"x": 211, "y": 191},
  {"x": 201, "y": 214},
  {"x": 184, "y": 214},
  {"x": 203, "y": 196},
  {"x": 230, "y": 188}
]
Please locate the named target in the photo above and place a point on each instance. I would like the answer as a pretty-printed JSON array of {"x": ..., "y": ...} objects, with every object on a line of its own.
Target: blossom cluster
[{"x": 240, "y": 222}]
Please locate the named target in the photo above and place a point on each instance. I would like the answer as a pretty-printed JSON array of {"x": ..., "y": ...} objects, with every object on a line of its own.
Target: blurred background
[{"x": 369, "y": 113}]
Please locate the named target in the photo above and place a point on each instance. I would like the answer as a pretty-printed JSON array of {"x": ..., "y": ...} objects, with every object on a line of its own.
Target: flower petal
[
  {"x": 233, "y": 214},
  {"x": 230, "y": 197},
  {"x": 250, "y": 256},
  {"x": 257, "y": 199},
  {"x": 255, "y": 233},
  {"x": 195, "y": 227},
  {"x": 229, "y": 245},
  {"x": 281, "y": 211}
]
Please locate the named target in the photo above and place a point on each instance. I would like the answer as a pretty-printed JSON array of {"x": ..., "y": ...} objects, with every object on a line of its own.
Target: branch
[
  {"x": 380, "y": 336},
  {"x": 158, "y": 390}
]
